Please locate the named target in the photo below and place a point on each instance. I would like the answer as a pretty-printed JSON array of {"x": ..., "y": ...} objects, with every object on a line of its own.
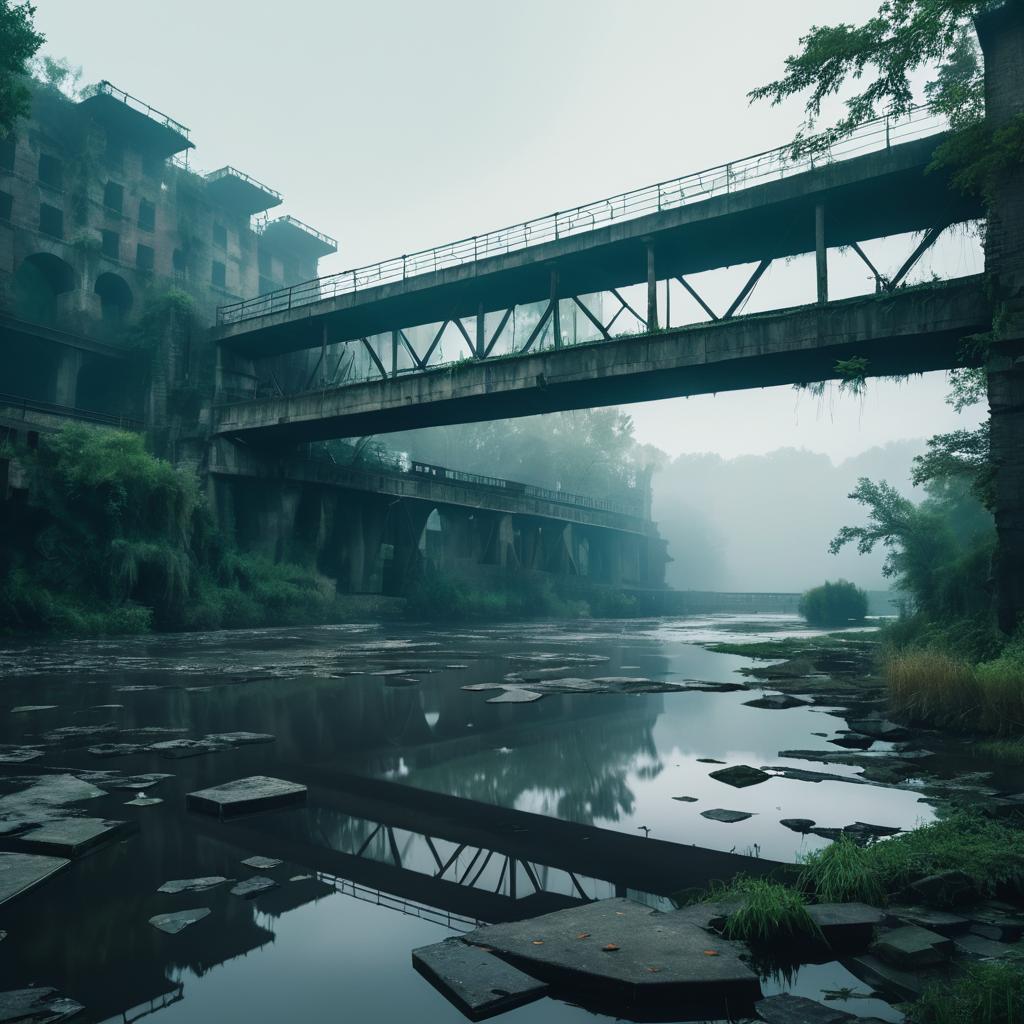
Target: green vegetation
[
  {"x": 768, "y": 912},
  {"x": 987, "y": 993},
  {"x": 1007, "y": 751},
  {"x": 18, "y": 43},
  {"x": 795, "y": 647},
  {"x": 114, "y": 540},
  {"x": 988, "y": 853},
  {"x": 834, "y": 604}
]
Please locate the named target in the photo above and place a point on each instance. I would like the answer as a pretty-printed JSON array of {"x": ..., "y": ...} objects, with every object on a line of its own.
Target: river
[{"x": 387, "y": 703}]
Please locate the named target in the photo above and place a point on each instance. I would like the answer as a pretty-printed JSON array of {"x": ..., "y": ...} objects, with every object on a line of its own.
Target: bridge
[{"x": 767, "y": 207}]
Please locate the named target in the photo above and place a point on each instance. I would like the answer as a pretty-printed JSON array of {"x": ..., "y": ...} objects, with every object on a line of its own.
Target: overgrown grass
[
  {"x": 989, "y": 853},
  {"x": 768, "y": 911},
  {"x": 987, "y": 993},
  {"x": 1007, "y": 751},
  {"x": 938, "y": 689}
]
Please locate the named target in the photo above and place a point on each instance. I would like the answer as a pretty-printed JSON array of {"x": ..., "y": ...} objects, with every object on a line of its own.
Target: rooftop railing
[
  {"x": 233, "y": 172},
  {"x": 108, "y": 89},
  {"x": 872, "y": 136}
]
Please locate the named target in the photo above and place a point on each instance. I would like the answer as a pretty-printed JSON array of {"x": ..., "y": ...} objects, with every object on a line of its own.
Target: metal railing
[
  {"x": 296, "y": 223},
  {"x": 878, "y": 134},
  {"x": 108, "y": 89},
  {"x": 24, "y": 405},
  {"x": 232, "y": 172}
]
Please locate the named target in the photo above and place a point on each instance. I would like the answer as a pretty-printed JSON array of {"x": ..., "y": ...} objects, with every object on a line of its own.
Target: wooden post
[
  {"x": 821, "y": 252},
  {"x": 652, "y": 291}
]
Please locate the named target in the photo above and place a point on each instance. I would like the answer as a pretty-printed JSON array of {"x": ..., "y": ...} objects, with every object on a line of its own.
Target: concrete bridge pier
[{"x": 1001, "y": 33}]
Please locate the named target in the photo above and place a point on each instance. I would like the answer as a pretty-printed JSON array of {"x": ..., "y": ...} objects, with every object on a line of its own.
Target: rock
[
  {"x": 881, "y": 975},
  {"x": 71, "y": 837},
  {"x": 538, "y": 674},
  {"x": 25, "y": 709},
  {"x": 606, "y": 684},
  {"x": 853, "y": 741},
  {"x": 846, "y": 924},
  {"x": 776, "y": 702},
  {"x": 43, "y": 801},
  {"x": 789, "y": 1009},
  {"x": 515, "y": 696},
  {"x": 912, "y": 946},
  {"x": 944, "y": 889},
  {"x": 115, "y": 749},
  {"x": 628, "y": 948},
  {"x": 136, "y": 688},
  {"x": 802, "y": 825},
  {"x": 996, "y": 923},
  {"x": 934, "y": 920},
  {"x": 861, "y": 830},
  {"x": 175, "y": 749},
  {"x": 251, "y": 887},
  {"x": 709, "y": 760},
  {"x": 179, "y": 920},
  {"x": 143, "y": 801},
  {"x": 71, "y": 734},
  {"x": 806, "y": 775},
  {"x": 20, "y": 872},
  {"x": 977, "y": 947},
  {"x": 192, "y": 884},
  {"x": 262, "y": 863},
  {"x": 10, "y": 754},
  {"x": 36, "y": 1006},
  {"x": 139, "y": 782},
  {"x": 238, "y": 739},
  {"x": 740, "y": 776},
  {"x": 243, "y": 796},
  {"x": 832, "y": 834},
  {"x": 729, "y": 817},
  {"x": 879, "y": 729},
  {"x": 686, "y": 799},
  {"x": 475, "y": 981}
]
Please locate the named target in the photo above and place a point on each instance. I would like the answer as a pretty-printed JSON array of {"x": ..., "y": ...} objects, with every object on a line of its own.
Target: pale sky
[{"x": 401, "y": 124}]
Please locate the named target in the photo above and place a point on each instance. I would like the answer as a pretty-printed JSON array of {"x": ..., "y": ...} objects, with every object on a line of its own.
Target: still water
[{"x": 358, "y": 889}]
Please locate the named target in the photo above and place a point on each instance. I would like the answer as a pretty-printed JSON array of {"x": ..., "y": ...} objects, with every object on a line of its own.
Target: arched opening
[
  {"x": 115, "y": 298},
  {"x": 38, "y": 282},
  {"x": 431, "y": 539}
]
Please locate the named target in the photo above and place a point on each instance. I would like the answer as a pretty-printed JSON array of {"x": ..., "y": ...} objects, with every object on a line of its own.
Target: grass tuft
[
  {"x": 768, "y": 911},
  {"x": 843, "y": 872},
  {"x": 988, "y": 993}
]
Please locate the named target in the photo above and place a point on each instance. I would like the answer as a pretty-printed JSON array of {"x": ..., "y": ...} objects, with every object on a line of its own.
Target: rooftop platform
[
  {"x": 240, "y": 193},
  {"x": 136, "y": 121},
  {"x": 291, "y": 235}
]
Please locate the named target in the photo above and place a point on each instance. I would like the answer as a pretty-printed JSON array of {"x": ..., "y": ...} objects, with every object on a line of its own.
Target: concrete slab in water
[
  {"x": 262, "y": 863},
  {"x": 243, "y": 796},
  {"x": 36, "y": 1004},
  {"x": 515, "y": 696},
  {"x": 789, "y": 1009},
  {"x": 174, "y": 923},
  {"x": 729, "y": 817},
  {"x": 253, "y": 886},
  {"x": 20, "y": 872},
  {"x": 71, "y": 837},
  {"x": 18, "y": 755},
  {"x": 476, "y": 981},
  {"x": 927, "y": 917},
  {"x": 143, "y": 801},
  {"x": 740, "y": 776},
  {"x": 624, "y": 946},
  {"x": 912, "y": 946},
  {"x": 26, "y": 708},
  {"x": 177, "y": 885},
  {"x": 846, "y": 924},
  {"x": 183, "y": 748},
  {"x": 239, "y": 739},
  {"x": 776, "y": 702}
]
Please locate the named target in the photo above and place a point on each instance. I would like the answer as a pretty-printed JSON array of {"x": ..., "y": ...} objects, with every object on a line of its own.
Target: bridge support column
[
  {"x": 652, "y": 290},
  {"x": 65, "y": 391},
  {"x": 1001, "y": 33},
  {"x": 821, "y": 252},
  {"x": 556, "y": 320}
]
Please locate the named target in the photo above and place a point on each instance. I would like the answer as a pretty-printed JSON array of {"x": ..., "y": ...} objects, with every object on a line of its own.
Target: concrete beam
[{"x": 908, "y": 331}]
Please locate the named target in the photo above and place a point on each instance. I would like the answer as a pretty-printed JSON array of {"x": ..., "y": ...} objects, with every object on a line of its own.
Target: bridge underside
[{"x": 911, "y": 330}]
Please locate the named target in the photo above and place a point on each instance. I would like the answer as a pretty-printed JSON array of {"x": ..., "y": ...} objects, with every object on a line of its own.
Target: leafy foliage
[
  {"x": 987, "y": 993},
  {"x": 834, "y": 604},
  {"x": 18, "y": 43}
]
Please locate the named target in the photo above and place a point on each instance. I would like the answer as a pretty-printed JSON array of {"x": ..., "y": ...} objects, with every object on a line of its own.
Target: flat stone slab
[
  {"x": 801, "y": 825},
  {"x": 238, "y": 739},
  {"x": 776, "y": 702},
  {"x": 846, "y": 922},
  {"x": 43, "y": 801},
  {"x": 244, "y": 796},
  {"x": 977, "y": 947},
  {"x": 71, "y": 837},
  {"x": 262, "y": 863},
  {"x": 175, "y": 749},
  {"x": 477, "y": 982},
  {"x": 143, "y": 801},
  {"x": 179, "y": 920},
  {"x": 879, "y": 729},
  {"x": 20, "y": 872},
  {"x": 625, "y": 946},
  {"x": 789, "y": 1009},
  {"x": 853, "y": 741},
  {"x": 192, "y": 884},
  {"x": 32, "y": 1005},
  {"x": 878, "y": 974},
  {"x": 115, "y": 749},
  {"x": 740, "y": 776},
  {"x": 18, "y": 755},
  {"x": 934, "y": 920},
  {"x": 912, "y": 946},
  {"x": 24, "y": 709},
  {"x": 140, "y": 782},
  {"x": 253, "y": 886},
  {"x": 70, "y": 734},
  {"x": 729, "y": 817},
  {"x": 515, "y": 696},
  {"x": 686, "y": 799}
]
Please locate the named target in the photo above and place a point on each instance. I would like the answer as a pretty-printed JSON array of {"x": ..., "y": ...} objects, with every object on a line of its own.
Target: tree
[
  {"x": 18, "y": 44},
  {"x": 834, "y": 604}
]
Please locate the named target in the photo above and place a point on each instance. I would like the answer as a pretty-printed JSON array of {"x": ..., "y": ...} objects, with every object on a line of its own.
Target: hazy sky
[{"x": 401, "y": 124}]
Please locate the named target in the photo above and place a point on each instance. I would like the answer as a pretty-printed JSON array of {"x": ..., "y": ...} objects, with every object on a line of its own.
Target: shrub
[
  {"x": 843, "y": 872},
  {"x": 834, "y": 604},
  {"x": 988, "y": 993}
]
